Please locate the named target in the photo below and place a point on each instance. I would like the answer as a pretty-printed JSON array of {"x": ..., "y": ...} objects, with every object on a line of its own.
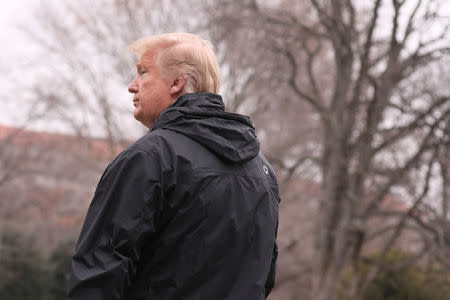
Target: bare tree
[
  {"x": 369, "y": 76},
  {"x": 83, "y": 65}
]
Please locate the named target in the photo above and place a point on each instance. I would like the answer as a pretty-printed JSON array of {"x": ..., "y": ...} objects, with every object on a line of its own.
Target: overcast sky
[
  {"x": 16, "y": 53},
  {"x": 13, "y": 14},
  {"x": 18, "y": 72},
  {"x": 13, "y": 52}
]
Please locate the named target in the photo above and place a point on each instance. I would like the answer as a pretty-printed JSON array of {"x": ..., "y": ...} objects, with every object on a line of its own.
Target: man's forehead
[
  {"x": 139, "y": 64},
  {"x": 145, "y": 61},
  {"x": 150, "y": 54},
  {"x": 147, "y": 58}
]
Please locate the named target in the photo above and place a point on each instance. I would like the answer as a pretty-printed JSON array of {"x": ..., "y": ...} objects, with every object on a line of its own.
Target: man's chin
[
  {"x": 140, "y": 119},
  {"x": 137, "y": 115}
]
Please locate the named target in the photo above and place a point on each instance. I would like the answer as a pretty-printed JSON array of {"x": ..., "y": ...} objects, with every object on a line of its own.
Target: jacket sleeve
[
  {"x": 270, "y": 282},
  {"x": 120, "y": 220}
]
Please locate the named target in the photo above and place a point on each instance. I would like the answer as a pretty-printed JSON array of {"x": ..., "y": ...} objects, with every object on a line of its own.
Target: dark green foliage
[
  {"x": 25, "y": 273},
  {"x": 412, "y": 282},
  {"x": 23, "y": 270},
  {"x": 61, "y": 263}
]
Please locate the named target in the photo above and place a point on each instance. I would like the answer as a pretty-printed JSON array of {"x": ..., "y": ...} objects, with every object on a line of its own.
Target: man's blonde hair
[{"x": 183, "y": 54}]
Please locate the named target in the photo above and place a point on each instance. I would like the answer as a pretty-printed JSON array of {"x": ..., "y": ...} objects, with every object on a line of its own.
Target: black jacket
[{"x": 190, "y": 211}]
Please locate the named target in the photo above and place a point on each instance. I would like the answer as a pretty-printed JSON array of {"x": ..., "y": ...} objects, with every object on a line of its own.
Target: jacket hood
[{"x": 201, "y": 117}]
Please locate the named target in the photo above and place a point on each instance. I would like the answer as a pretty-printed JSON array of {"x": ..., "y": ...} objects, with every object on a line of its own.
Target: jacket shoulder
[{"x": 151, "y": 143}]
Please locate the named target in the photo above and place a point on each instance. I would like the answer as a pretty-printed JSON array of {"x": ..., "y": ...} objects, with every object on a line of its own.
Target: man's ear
[{"x": 177, "y": 86}]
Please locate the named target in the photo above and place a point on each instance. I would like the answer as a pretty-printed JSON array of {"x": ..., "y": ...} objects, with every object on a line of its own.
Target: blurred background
[{"x": 350, "y": 98}]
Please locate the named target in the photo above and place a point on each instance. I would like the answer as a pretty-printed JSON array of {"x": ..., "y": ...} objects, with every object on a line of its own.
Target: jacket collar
[{"x": 200, "y": 100}]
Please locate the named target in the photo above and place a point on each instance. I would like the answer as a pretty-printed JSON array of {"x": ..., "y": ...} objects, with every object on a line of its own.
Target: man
[{"x": 189, "y": 211}]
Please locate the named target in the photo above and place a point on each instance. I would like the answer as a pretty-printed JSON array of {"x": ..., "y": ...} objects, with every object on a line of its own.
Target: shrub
[
  {"x": 25, "y": 273},
  {"x": 23, "y": 269},
  {"x": 412, "y": 282}
]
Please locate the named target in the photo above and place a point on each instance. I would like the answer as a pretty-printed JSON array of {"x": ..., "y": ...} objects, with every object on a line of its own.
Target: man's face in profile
[{"x": 150, "y": 89}]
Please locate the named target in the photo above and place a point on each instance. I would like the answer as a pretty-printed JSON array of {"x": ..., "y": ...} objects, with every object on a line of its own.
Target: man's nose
[{"x": 133, "y": 87}]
